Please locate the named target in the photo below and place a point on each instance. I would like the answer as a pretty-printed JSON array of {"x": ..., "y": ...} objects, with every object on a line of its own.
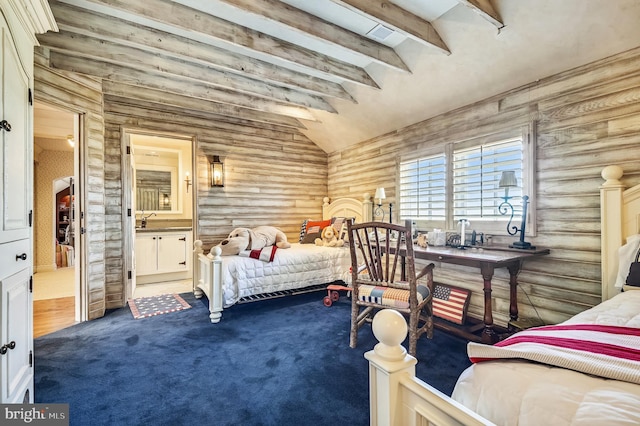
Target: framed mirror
[{"x": 157, "y": 172}]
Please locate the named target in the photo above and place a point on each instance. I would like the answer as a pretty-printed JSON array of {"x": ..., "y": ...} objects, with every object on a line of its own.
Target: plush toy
[
  {"x": 422, "y": 240},
  {"x": 241, "y": 239},
  {"x": 329, "y": 238}
]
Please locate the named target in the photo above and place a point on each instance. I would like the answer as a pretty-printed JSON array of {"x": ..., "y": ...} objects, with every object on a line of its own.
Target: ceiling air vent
[{"x": 380, "y": 32}]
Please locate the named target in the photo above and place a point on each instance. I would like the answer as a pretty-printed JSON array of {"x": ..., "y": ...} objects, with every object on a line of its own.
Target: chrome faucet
[{"x": 143, "y": 219}]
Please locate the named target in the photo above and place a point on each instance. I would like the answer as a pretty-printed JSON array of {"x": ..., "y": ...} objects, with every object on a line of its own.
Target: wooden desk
[{"x": 487, "y": 260}]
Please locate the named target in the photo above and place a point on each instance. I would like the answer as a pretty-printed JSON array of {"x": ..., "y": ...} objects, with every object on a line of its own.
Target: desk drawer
[{"x": 9, "y": 263}]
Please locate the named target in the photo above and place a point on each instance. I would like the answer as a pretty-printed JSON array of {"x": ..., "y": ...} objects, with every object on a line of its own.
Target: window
[
  {"x": 476, "y": 174},
  {"x": 462, "y": 181},
  {"x": 422, "y": 188}
]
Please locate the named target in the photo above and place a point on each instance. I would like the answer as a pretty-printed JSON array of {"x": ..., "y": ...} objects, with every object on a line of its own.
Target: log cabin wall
[
  {"x": 84, "y": 96},
  {"x": 587, "y": 118},
  {"x": 273, "y": 174}
]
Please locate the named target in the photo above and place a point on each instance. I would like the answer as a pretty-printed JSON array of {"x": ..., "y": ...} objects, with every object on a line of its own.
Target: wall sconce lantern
[
  {"x": 188, "y": 181},
  {"x": 71, "y": 141},
  {"x": 508, "y": 180},
  {"x": 217, "y": 171},
  {"x": 166, "y": 200}
]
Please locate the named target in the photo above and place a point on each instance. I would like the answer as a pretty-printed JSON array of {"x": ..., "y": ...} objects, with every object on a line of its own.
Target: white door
[{"x": 132, "y": 224}]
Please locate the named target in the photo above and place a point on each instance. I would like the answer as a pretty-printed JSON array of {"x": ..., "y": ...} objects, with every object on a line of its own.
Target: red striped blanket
[
  {"x": 266, "y": 254},
  {"x": 607, "y": 351}
]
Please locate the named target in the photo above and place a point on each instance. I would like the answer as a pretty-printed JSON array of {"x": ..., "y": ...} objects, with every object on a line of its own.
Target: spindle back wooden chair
[{"x": 384, "y": 276}]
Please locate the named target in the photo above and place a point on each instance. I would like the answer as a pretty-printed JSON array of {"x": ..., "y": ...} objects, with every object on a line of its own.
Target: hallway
[{"x": 53, "y": 301}]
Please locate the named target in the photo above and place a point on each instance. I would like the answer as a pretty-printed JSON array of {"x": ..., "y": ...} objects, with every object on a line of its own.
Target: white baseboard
[{"x": 46, "y": 268}]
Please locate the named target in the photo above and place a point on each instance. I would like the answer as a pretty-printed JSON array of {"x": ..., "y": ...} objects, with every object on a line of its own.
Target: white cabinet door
[
  {"x": 146, "y": 254},
  {"x": 16, "y": 323},
  {"x": 15, "y": 135},
  {"x": 172, "y": 252},
  {"x": 16, "y": 338}
]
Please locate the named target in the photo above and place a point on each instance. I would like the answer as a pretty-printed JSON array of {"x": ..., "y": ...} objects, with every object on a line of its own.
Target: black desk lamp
[
  {"x": 380, "y": 195},
  {"x": 508, "y": 180}
]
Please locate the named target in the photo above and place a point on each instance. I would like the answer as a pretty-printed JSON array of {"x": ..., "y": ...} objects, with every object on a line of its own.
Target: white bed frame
[
  {"x": 397, "y": 397},
  {"x": 207, "y": 269}
]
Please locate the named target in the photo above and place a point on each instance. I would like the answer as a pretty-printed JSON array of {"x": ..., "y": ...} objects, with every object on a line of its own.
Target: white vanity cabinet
[{"x": 162, "y": 255}]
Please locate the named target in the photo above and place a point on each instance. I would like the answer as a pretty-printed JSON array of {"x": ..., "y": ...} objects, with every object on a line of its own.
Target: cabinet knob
[
  {"x": 22, "y": 256},
  {"x": 5, "y": 348},
  {"x": 4, "y": 124}
]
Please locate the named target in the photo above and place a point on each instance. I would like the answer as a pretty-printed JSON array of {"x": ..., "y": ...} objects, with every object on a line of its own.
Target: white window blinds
[
  {"x": 422, "y": 188},
  {"x": 476, "y": 174}
]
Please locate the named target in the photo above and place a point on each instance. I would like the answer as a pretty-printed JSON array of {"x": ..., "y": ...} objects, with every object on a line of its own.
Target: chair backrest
[{"x": 382, "y": 249}]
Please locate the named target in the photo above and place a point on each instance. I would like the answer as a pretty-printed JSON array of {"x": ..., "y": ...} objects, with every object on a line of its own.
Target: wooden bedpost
[
  {"x": 611, "y": 226},
  {"x": 367, "y": 207},
  {"x": 215, "y": 276},
  {"x": 207, "y": 278},
  {"x": 388, "y": 363},
  {"x": 396, "y": 395}
]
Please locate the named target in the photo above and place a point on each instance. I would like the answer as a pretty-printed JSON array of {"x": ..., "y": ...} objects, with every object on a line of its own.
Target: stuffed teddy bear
[
  {"x": 422, "y": 240},
  {"x": 329, "y": 238},
  {"x": 241, "y": 239}
]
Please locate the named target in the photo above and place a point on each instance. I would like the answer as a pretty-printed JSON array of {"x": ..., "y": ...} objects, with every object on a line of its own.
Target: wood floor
[
  {"x": 51, "y": 315},
  {"x": 53, "y": 300},
  {"x": 55, "y": 313}
]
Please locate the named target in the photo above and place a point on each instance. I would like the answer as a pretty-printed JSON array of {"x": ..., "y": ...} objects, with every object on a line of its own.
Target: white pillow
[{"x": 626, "y": 255}]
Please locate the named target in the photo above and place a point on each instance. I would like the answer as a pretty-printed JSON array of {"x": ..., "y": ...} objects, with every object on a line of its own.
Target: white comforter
[
  {"x": 299, "y": 266},
  {"x": 514, "y": 392}
]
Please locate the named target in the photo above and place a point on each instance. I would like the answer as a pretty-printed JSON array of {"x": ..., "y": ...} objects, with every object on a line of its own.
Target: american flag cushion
[
  {"x": 450, "y": 303},
  {"x": 387, "y": 296}
]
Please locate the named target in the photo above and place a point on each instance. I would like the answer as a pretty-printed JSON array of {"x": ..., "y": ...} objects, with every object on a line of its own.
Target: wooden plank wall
[
  {"x": 587, "y": 118},
  {"x": 84, "y": 96},
  {"x": 273, "y": 174}
]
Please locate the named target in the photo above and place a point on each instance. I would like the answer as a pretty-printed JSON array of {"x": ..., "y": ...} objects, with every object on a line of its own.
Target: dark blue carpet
[{"x": 278, "y": 362}]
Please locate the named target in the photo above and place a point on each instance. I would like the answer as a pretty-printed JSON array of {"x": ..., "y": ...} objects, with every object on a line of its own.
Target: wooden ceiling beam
[
  {"x": 309, "y": 25},
  {"x": 398, "y": 19},
  {"x": 160, "y": 100},
  {"x": 173, "y": 84},
  {"x": 197, "y": 22},
  {"x": 485, "y": 9},
  {"x": 93, "y": 24},
  {"x": 89, "y": 47}
]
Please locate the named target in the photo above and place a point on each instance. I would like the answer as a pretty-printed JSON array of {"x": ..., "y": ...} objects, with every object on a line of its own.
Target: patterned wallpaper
[{"x": 50, "y": 165}]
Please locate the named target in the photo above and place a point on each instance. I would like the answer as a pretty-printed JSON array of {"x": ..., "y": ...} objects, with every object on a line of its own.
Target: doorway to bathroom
[{"x": 159, "y": 205}]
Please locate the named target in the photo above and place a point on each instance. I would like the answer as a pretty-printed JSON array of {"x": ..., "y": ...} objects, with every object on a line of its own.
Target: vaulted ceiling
[{"x": 340, "y": 71}]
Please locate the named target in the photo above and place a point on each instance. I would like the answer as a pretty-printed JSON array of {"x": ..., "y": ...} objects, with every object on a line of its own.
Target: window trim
[{"x": 528, "y": 133}]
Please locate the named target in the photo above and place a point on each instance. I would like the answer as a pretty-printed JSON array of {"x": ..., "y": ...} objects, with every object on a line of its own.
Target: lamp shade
[
  {"x": 508, "y": 179},
  {"x": 380, "y": 194}
]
